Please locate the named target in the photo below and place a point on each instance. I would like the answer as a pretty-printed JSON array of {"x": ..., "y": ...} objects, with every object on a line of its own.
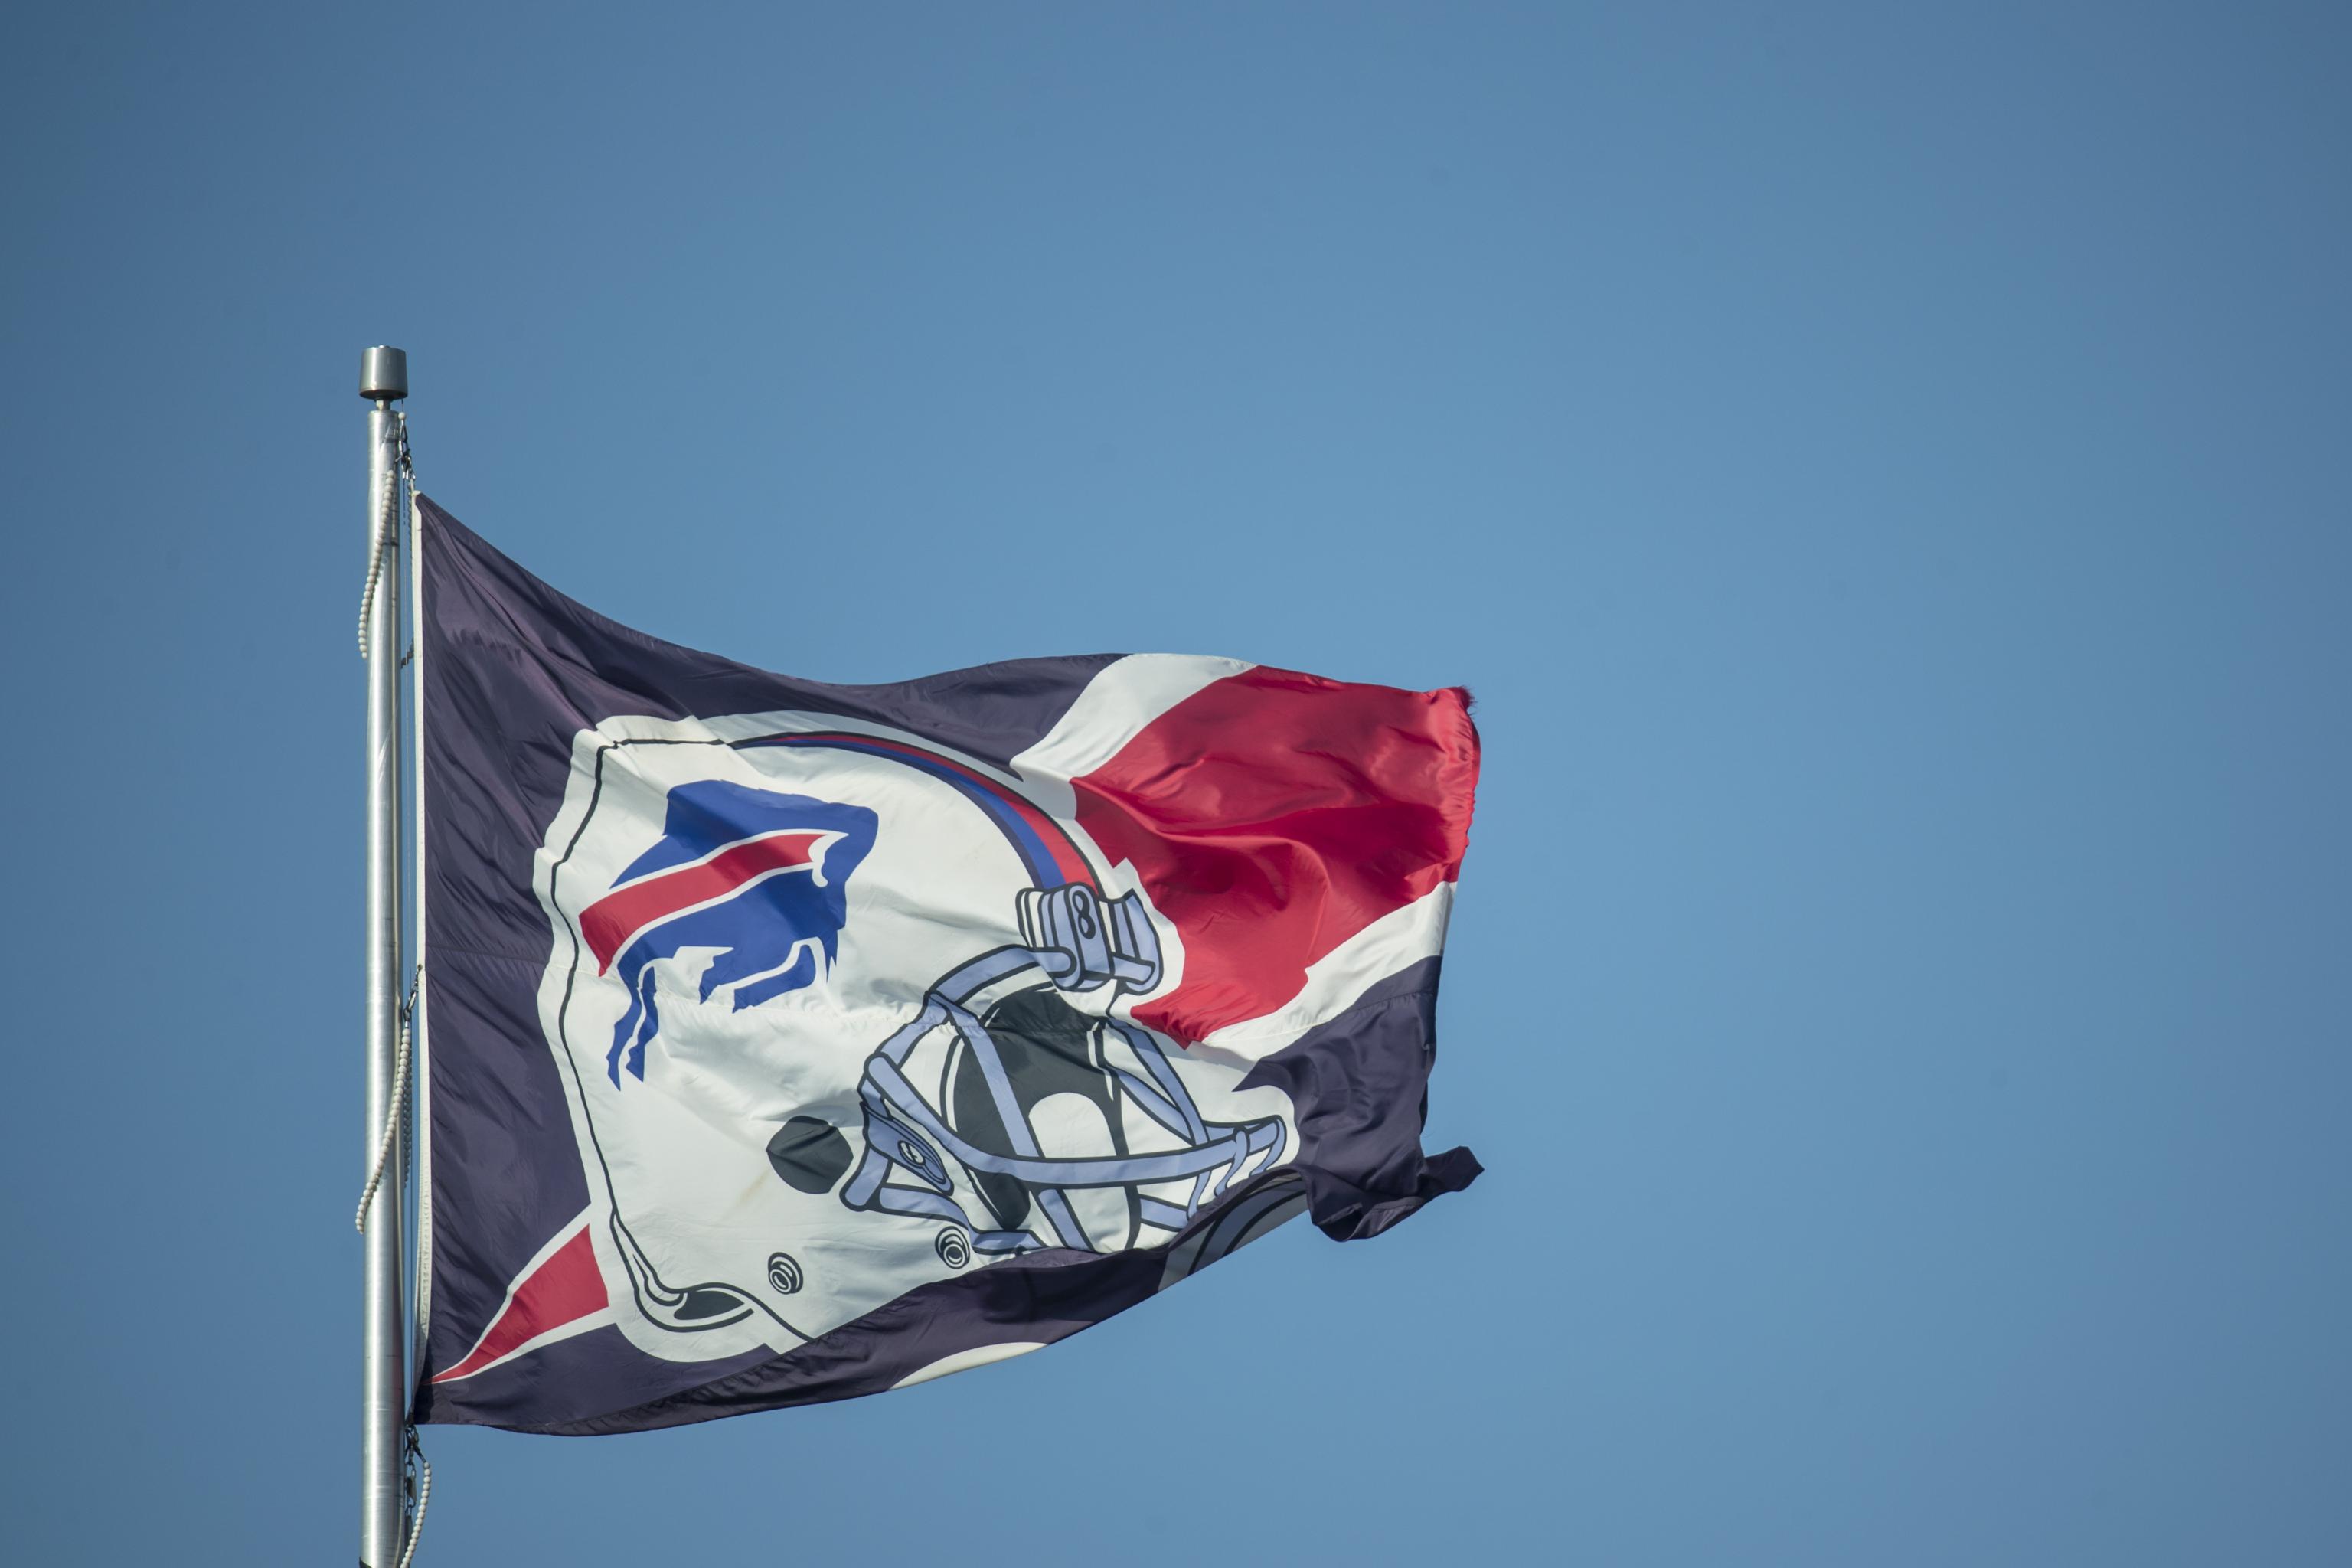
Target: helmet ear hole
[{"x": 810, "y": 1155}]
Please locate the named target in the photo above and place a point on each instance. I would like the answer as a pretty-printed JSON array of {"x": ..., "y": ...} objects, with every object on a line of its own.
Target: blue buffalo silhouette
[{"x": 776, "y": 931}]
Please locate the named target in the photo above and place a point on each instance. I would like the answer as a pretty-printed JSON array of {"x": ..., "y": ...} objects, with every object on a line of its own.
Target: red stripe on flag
[
  {"x": 1272, "y": 816},
  {"x": 563, "y": 1290},
  {"x": 612, "y": 919}
]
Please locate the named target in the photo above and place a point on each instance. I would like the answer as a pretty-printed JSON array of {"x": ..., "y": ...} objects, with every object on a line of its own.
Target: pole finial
[{"x": 383, "y": 373}]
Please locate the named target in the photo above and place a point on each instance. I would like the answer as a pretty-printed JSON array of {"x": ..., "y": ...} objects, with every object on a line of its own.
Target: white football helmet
[{"x": 841, "y": 1012}]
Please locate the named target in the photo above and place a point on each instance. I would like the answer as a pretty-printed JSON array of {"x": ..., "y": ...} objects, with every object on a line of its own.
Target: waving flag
[{"x": 787, "y": 1042}]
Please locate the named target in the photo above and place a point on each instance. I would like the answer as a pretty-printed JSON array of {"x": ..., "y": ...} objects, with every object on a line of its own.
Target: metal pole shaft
[{"x": 381, "y": 1397}]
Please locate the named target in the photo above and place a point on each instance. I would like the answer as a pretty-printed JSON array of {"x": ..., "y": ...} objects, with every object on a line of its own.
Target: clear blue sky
[{"x": 1883, "y": 475}]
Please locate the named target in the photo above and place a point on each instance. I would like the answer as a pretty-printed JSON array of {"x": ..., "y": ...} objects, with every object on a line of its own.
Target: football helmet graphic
[
  {"x": 1015, "y": 1051},
  {"x": 840, "y": 1012}
]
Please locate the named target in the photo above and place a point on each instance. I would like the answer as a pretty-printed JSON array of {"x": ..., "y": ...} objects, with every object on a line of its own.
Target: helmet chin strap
[{"x": 1088, "y": 943}]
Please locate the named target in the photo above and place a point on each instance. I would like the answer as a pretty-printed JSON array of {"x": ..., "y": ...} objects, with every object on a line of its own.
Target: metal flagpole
[{"x": 383, "y": 381}]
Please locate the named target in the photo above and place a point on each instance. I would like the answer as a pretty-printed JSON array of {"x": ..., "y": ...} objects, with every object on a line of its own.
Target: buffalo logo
[{"x": 759, "y": 877}]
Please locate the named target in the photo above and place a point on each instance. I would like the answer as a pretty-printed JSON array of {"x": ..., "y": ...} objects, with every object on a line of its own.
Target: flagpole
[{"x": 383, "y": 381}]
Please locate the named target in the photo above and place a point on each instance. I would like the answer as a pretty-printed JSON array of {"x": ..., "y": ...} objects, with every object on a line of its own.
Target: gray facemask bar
[{"x": 905, "y": 1168}]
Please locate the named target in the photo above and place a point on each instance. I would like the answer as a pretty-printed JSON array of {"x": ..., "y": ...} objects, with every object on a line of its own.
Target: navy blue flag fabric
[{"x": 785, "y": 1042}]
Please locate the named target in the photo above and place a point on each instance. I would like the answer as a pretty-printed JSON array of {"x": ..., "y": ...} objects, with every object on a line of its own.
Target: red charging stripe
[{"x": 612, "y": 919}]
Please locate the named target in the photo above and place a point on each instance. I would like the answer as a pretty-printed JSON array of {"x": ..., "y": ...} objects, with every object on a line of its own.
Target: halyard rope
[
  {"x": 394, "y": 1114},
  {"x": 387, "y": 512},
  {"x": 421, "y": 1484}
]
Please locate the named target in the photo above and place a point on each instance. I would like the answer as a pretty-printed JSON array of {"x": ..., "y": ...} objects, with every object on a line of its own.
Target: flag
[{"x": 783, "y": 1042}]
